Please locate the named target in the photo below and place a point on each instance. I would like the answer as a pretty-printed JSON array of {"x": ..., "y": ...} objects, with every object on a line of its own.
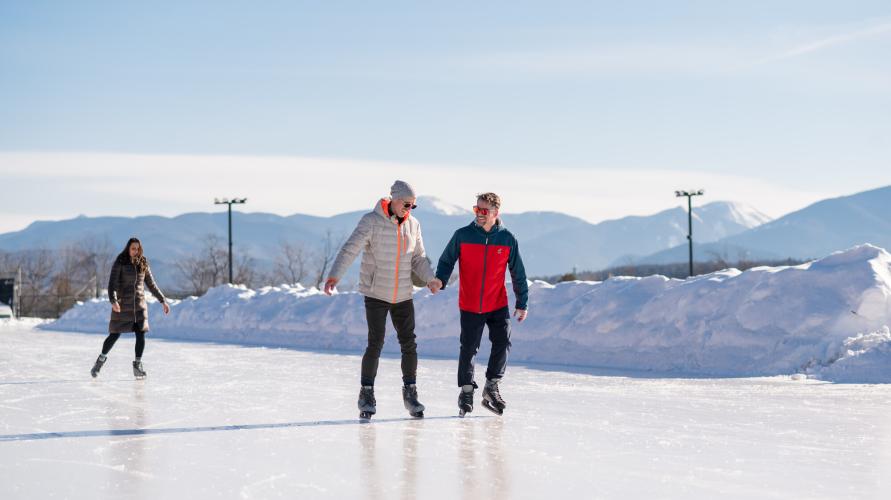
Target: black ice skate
[
  {"x": 138, "y": 371},
  {"x": 410, "y": 399},
  {"x": 492, "y": 398},
  {"x": 98, "y": 365},
  {"x": 367, "y": 403},
  {"x": 465, "y": 400}
]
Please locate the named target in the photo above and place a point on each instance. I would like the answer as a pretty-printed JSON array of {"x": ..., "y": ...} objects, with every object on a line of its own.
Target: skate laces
[
  {"x": 466, "y": 397},
  {"x": 492, "y": 389},
  {"x": 368, "y": 396},
  {"x": 411, "y": 393}
]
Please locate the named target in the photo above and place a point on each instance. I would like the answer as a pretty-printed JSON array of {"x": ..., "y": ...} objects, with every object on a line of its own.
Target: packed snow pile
[{"x": 828, "y": 318}]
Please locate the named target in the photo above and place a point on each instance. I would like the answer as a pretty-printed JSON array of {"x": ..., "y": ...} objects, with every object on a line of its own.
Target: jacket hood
[{"x": 382, "y": 208}]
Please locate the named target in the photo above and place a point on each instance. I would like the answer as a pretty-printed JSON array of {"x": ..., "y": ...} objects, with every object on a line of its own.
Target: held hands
[
  {"x": 434, "y": 285},
  {"x": 329, "y": 285},
  {"x": 520, "y": 314}
]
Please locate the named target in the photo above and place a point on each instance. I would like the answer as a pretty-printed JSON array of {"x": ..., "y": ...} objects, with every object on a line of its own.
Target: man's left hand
[{"x": 520, "y": 314}]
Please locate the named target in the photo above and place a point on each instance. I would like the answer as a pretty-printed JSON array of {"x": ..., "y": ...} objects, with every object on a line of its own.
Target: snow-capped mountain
[
  {"x": 728, "y": 217},
  {"x": 433, "y": 205},
  {"x": 814, "y": 231}
]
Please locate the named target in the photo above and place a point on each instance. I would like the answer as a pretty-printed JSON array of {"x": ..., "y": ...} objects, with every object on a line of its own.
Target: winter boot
[
  {"x": 410, "y": 399},
  {"x": 138, "y": 370},
  {"x": 367, "y": 403},
  {"x": 492, "y": 398},
  {"x": 465, "y": 399},
  {"x": 98, "y": 365}
]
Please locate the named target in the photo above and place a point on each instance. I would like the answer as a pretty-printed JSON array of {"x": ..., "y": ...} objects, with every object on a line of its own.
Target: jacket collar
[
  {"x": 496, "y": 228},
  {"x": 382, "y": 208}
]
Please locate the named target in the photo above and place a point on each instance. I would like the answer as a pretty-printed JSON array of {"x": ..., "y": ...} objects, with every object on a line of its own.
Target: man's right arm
[
  {"x": 447, "y": 260},
  {"x": 348, "y": 252}
]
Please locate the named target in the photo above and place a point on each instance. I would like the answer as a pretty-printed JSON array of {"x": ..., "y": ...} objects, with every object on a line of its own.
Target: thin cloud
[
  {"x": 699, "y": 59},
  {"x": 628, "y": 59},
  {"x": 832, "y": 41}
]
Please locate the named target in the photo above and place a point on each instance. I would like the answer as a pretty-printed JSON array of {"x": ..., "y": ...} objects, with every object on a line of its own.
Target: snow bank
[
  {"x": 828, "y": 319},
  {"x": 26, "y": 322}
]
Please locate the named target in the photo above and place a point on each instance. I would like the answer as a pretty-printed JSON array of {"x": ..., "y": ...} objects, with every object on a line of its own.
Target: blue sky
[{"x": 775, "y": 104}]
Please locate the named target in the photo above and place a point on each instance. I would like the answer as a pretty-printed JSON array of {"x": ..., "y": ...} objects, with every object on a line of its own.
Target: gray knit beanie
[{"x": 402, "y": 190}]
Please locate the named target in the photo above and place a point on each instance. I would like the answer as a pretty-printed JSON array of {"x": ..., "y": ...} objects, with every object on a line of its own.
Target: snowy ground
[{"x": 247, "y": 422}]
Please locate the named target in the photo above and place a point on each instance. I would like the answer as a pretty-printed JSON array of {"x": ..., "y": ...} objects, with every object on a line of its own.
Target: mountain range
[{"x": 550, "y": 242}]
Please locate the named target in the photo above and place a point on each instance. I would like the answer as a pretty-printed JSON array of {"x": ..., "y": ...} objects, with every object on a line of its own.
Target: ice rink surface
[{"x": 225, "y": 421}]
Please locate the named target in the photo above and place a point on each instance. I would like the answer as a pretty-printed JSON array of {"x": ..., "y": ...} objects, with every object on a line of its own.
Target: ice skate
[
  {"x": 367, "y": 403},
  {"x": 492, "y": 398},
  {"x": 98, "y": 365},
  {"x": 410, "y": 399},
  {"x": 465, "y": 400},
  {"x": 138, "y": 370}
]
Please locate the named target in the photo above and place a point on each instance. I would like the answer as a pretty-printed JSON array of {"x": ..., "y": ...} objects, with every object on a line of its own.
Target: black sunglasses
[{"x": 409, "y": 205}]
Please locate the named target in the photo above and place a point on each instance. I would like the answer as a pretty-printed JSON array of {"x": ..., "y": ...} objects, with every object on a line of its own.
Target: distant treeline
[
  {"x": 53, "y": 280},
  {"x": 676, "y": 270}
]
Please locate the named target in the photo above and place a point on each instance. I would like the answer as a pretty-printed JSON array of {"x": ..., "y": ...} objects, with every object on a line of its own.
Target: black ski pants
[
  {"x": 472, "y": 333},
  {"x": 402, "y": 315}
]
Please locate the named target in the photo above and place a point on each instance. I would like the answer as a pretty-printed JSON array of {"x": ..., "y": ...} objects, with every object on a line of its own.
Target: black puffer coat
[{"x": 126, "y": 286}]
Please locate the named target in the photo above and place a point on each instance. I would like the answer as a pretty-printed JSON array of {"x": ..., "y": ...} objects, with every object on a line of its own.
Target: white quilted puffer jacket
[{"x": 391, "y": 251}]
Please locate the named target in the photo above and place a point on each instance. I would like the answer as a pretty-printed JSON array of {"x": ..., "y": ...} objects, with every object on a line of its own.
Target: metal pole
[
  {"x": 690, "y": 195},
  {"x": 230, "y": 243},
  {"x": 226, "y": 201},
  {"x": 690, "y": 229}
]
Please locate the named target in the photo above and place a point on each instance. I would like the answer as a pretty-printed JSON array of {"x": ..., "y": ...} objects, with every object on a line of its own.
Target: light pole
[
  {"x": 226, "y": 201},
  {"x": 690, "y": 195}
]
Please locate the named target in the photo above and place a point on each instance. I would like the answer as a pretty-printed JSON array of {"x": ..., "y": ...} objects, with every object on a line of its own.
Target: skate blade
[
  {"x": 487, "y": 405},
  {"x": 417, "y": 414},
  {"x": 365, "y": 415},
  {"x": 462, "y": 412}
]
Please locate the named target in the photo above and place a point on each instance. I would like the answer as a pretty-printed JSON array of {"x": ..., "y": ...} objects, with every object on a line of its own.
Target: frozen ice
[{"x": 229, "y": 421}]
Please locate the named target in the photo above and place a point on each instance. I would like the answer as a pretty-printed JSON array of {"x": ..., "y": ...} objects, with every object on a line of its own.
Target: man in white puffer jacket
[{"x": 392, "y": 248}]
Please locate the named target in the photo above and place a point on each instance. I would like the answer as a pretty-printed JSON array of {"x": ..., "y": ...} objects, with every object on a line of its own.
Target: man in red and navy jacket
[{"x": 484, "y": 250}]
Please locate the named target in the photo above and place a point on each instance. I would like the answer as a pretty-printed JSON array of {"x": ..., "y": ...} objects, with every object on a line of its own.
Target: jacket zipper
[
  {"x": 483, "y": 285},
  {"x": 398, "y": 253}
]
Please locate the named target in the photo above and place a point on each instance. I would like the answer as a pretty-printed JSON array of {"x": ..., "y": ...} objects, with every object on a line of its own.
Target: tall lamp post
[
  {"x": 226, "y": 201},
  {"x": 690, "y": 195}
]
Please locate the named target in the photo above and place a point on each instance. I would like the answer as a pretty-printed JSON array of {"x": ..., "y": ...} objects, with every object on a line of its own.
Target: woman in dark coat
[{"x": 130, "y": 274}]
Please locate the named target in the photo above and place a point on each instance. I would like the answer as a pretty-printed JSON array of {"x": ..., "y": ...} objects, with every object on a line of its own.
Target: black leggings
[{"x": 113, "y": 337}]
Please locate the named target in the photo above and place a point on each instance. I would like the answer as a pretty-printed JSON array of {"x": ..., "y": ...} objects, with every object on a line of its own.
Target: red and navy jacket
[{"x": 483, "y": 258}]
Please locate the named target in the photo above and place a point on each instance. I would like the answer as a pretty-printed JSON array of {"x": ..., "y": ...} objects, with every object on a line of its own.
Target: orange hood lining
[{"x": 385, "y": 205}]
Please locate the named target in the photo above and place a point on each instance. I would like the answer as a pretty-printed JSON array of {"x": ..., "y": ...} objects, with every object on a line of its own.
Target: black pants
[
  {"x": 403, "y": 317},
  {"x": 113, "y": 337},
  {"x": 472, "y": 332}
]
